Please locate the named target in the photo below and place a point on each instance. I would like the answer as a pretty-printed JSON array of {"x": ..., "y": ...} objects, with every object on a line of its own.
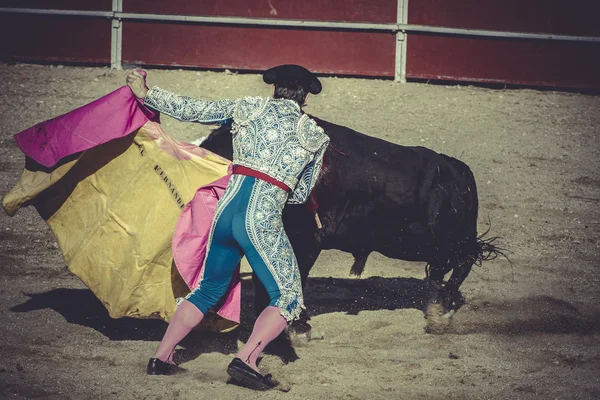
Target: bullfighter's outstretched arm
[{"x": 188, "y": 109}]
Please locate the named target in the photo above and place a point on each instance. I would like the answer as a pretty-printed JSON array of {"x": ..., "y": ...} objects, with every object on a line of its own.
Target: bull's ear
[{"x": 310, "y": 135}]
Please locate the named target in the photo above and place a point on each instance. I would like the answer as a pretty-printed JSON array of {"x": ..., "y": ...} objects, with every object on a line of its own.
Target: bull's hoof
[
  {"x": 299, "y": 333},
  {"x": 438, "y": 319},
  {"x": 299, "y": 339}
]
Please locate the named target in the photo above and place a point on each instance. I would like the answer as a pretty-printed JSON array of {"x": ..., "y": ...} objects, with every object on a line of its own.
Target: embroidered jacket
[{"x": 272, "y": 136}]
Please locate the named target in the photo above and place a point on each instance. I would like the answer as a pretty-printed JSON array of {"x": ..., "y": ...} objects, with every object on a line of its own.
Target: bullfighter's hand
[{"x": 137, "y": 83}]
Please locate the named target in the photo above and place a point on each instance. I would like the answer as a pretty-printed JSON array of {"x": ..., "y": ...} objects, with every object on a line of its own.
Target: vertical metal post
[
  {"x": 116, "y": 36},
  {"x": 401, "y": 39}
]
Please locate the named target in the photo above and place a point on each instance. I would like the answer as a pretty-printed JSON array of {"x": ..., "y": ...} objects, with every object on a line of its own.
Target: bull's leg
[
  {"x": 300, "y": 331},
  {"x": 445, "y": 299},
  {"x": 360, "y": 260},
  {"x": 435, "y": 280},
  {"x": 451, "y": 298},
  {"x": 437, "y": 322}
]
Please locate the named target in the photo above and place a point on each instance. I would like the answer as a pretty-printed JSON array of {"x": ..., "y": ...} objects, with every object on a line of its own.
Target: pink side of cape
[
  {"x": 110, "y": 117},
  {"x": 190, "y": 239}
]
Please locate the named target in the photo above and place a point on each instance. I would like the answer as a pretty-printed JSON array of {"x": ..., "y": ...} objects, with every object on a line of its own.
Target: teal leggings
[{"x": 230, "y": 241}]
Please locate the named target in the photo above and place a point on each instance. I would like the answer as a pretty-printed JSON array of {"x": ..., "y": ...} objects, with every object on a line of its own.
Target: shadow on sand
[{"x": 323, "y": 296}]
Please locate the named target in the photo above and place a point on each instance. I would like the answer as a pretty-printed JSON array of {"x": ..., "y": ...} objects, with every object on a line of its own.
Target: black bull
[{"x": 407, "y": 203}]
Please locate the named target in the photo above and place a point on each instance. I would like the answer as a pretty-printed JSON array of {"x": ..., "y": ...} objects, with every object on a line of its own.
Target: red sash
[{"x": 240, "y": 170}]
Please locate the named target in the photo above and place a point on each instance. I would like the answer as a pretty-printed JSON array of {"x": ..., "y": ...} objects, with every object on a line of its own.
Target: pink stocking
[
  {"x": 267, "y": 327},
  {"x": 186, "y": 317}
]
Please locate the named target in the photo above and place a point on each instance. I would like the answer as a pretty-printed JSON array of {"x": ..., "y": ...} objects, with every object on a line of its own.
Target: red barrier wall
[
  {"x": 328, "y": 51},
  {"x": 249, "y": 48},
  {"x": 511, "y": 61},
  {"x": 52, "y": 38},
  {"x": 524, "y": 62},
  {"x": 331, "y": 52},
  {"x": 573, "y": 17}
]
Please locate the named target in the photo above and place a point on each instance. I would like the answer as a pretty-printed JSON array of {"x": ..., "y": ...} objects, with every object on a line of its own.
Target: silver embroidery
[
  {"x": 275, "y": 138},
  {"x": 265, "y": 229},
  {"x": 269, "y": 135},
  {"x": 188, "y": 109}
]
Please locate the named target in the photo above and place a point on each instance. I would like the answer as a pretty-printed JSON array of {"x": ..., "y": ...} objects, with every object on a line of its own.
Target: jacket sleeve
[
  {"x": 315, "y": 140},
  {"x": 188, "y": 109}
]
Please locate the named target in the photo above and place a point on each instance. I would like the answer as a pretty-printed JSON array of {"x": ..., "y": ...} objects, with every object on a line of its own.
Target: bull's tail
[{"x": 487, "y": 249}]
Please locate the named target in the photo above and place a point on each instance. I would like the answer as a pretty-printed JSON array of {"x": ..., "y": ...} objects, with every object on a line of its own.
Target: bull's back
[
  {"x": 379, "y": 183},
  {"x": 401, "y": 201}
]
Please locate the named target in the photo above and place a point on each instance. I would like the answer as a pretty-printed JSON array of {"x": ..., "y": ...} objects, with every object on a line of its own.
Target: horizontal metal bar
[
  {"x": 496, "y": 34},
  {"x": 101, "y": 14},
  {"x": 210, "y": 20},
  {"x": 392, "y": 28},
  {"x": 261, "y": 22}
]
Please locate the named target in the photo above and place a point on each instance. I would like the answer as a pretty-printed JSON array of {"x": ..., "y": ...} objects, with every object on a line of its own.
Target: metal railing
[{"x": 401, "y": 28}]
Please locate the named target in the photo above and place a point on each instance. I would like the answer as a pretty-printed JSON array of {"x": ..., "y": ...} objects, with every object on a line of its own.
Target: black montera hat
[{"x": 292, "y": 71}]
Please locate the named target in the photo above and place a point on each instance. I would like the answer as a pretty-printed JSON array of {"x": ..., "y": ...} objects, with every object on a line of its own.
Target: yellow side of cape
[{"x": 113, "y": 210}]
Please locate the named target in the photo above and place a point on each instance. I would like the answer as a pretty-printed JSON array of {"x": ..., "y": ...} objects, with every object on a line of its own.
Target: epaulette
[{"x": 310, "y": 135}]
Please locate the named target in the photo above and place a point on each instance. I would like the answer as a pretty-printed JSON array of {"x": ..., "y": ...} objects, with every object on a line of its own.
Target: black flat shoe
[
  {"x": 158, "y": 367},
  {"x": 247, "y": 377}
]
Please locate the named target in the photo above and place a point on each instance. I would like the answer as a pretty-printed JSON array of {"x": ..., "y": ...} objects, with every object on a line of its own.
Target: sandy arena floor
[{"x": 530, "y": 331}]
